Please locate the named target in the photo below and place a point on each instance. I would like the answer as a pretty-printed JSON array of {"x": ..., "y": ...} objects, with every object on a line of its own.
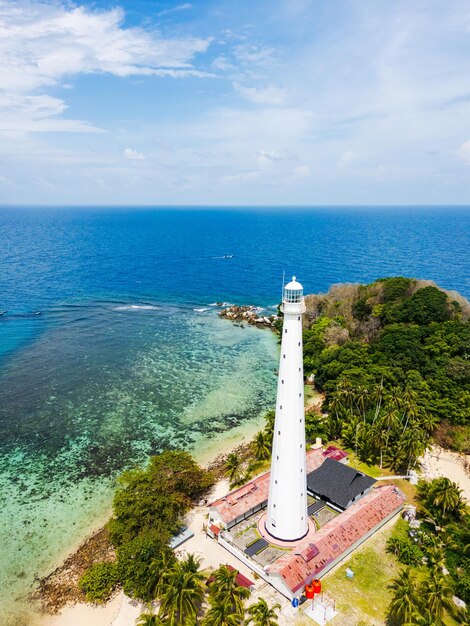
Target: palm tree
[
  {"x": 404, "y": 605},
  {"x": 436, "y": 557},
  {"x": 225, "y": 589},
  {"x": 365, "y": 443},
  {"x": 379, "y": 438},
  {"x": 377, "y": 395},
  {"x": 346, "y": 391},
  {"x": 232, "y": 465},
  {"x": 436, "y": 593},
  {"x": 336, "y": 407},
  {"x": 149, "y": 619},
  {"x": 446, "y": 497},
  {"x": 394, "y": 398},
  {"x": 425, "y": 618},
  {"x": 361, "y": 397},
  {"x": 409, "y": 406},
  {"x": 261, "y": 446},
  {"x": 349, "y": 431},
  {"x": 269, "y": 419},
  {"x": 221, "y": 614},
  {"x": 262, "y": 615},
  {"x": 182, "y": 592},
  {"x": 192, "y": 563},
  {"x": 428, "y": 422},
  {"x": 156, "y": 570},
  {"x": 389, "y": 421},
  {"x": 411, "y": 446}
]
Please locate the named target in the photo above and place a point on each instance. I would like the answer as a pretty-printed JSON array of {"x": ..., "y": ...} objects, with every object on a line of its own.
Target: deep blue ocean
[{"x": 111, "y": 348}]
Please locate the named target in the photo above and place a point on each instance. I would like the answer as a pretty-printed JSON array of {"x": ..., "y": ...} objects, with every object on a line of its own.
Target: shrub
[
  {"x": 425, "y": 306},
  {"x": 395, "y": 288},
  {"x": 135, "y": 558},
  {"x": 405, "y": 550},
  {"x": 462, "y": 584},
  {"x": 99, "y": 581},
  {"x": 163, "y": 491}
]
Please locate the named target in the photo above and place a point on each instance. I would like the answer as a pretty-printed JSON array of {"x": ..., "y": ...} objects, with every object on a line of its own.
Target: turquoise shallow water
[
  {"x": 110, "y": 350},
  {"x": 104, "y": 388}
]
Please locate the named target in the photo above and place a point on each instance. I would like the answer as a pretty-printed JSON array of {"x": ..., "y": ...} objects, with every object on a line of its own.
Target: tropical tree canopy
[
  {"x": 182, "y": 592},
  {"x": 263, "y": 615}
]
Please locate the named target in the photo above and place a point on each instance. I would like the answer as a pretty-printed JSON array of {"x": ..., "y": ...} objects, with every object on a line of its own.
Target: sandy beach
[{"x": 439, "y": 462}]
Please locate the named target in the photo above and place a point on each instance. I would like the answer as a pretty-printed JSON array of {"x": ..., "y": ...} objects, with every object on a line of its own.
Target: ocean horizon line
[{"x": 243, "y": 207}]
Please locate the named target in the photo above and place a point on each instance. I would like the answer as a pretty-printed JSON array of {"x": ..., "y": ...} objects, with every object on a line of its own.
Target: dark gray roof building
[{"x": 338, "y": 483}]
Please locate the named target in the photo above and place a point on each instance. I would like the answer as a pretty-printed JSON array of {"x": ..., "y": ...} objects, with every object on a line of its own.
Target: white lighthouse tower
[{"x": 287, "y": 503}]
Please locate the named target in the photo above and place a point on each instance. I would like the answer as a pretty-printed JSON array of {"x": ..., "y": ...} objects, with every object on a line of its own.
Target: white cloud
[
  {"x": 267, "y": 157},
  {"x": 347, "y": 158},
  {"x": 222, "y": 63},
  {"x": 254, "y": 54},
  {"x": 27, "y": 113},
  {"x": 464, "y": 152},
  {"x": 302, "y": 171},
  {"x": 134, "y": 155},
  {"x": 271, "y": 96},
  {"x": 242, "y": 177},
  {"x": 179, "y": 7},
  {"x": 42, "y": 43}
]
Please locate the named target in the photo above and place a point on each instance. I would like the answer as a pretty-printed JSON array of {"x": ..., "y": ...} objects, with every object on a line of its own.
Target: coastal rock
[
  {"x": 248, "y": 314},
  {"x": 61, "y": 586}
]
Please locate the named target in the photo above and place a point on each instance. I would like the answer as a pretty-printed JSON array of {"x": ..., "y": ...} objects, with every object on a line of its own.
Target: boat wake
[{"x": 137, "y": 307}]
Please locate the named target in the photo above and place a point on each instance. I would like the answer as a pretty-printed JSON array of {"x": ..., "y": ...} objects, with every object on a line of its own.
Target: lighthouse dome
[{"x": 294, "y": 284}]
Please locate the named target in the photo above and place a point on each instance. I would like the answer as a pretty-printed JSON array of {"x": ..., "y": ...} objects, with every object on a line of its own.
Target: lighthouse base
[{"x": 280, "y": 542}]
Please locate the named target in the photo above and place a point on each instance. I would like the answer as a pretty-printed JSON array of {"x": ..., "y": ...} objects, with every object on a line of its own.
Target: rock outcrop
[{"x": 248, "y": 315}]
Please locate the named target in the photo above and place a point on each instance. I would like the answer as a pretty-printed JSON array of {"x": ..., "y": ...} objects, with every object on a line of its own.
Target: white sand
[
  {"x": 438, "y": 462},
  {"x": 120, "y": 611},
  {"x": 211, "y": 553}
]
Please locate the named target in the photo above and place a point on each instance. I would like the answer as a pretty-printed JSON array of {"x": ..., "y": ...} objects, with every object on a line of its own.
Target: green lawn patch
[{"x": 366, "y": 597}]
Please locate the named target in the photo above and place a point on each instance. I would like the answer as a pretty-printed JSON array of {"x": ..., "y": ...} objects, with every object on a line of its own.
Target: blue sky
[{"x": 239, "y": 102}]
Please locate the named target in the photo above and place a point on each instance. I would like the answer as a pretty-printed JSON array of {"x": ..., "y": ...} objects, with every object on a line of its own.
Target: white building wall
[{"x": 287, "y": 502}]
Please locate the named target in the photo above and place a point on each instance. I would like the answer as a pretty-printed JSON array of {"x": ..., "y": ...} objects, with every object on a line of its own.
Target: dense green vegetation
[
  {"x": 393, "y": 359},
  {"x": 149, "y": 507},
  {"x": 437, "y": 558},
  {"x": 99, "y": 581}
]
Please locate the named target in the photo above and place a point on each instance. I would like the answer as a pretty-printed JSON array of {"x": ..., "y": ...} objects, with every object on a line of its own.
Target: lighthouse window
[
  {"x": 277, "y": 457},
  {"x": 299, "y": 318},
  {"x": 293, "y": 295},
  {"x": 285, "y": 330},
  {"x": 300, "y": 395},
  {"x": 299, "y": 343},
  {"x": 300, "y": 445},
  {"x": 278, "y": 432},
  {"x": 275, "y": 482},
  {"x": 282, "y": 381},
  {"x": 274, "y": 506}
]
